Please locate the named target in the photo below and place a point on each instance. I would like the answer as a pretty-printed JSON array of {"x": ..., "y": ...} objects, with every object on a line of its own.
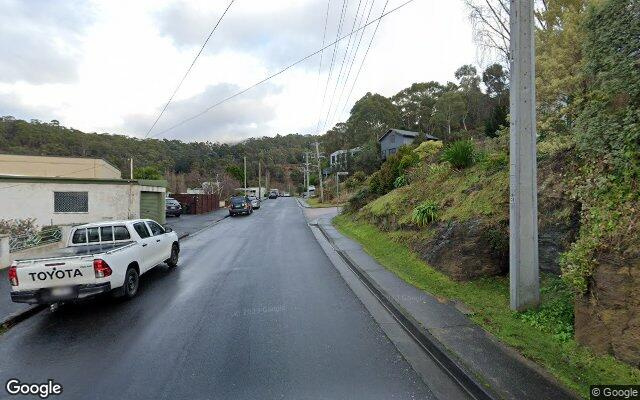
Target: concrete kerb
[
  {"x": 20, "y": 316},
  {"x": 189, "y": 235}
]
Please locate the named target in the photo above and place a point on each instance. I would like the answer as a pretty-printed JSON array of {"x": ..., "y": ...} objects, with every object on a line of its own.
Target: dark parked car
[
  {"x": 172, "y": 207},
  {"x": 273, "y": 195},
  {"x": 240, "y": 205}
]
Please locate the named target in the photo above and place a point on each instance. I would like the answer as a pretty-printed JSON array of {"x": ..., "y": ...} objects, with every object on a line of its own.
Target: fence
[
  {"x": 29, "y": 240},
  {"x": 197, "y": 203}
]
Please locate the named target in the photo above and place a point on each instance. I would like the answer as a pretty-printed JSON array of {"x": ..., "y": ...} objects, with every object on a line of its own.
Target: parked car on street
[
  {"x": 240, "y": 205},
  {"x": 100, "y": 257},
  {"x": 172, "y": 207},
  {"x": 255, "y": 202},
  {"x": 273, "y": 195},
  {"x": 287, "y": 194}
]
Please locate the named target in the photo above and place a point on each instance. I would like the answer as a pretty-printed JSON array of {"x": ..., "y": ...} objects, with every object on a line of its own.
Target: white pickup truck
[{"x": 98, "y": 258}]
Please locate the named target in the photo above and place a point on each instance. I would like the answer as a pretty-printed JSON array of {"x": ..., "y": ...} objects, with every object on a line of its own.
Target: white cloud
[{"x": 109, "y": 66}]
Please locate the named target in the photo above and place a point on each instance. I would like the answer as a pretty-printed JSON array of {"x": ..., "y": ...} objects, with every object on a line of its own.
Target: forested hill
[
  {"x": 51, "y": 139},
  {"x": 449, "y": 111}
]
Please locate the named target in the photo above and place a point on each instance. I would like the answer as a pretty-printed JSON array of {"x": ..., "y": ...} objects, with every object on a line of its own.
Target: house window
[{"x": 71, "y": 202}]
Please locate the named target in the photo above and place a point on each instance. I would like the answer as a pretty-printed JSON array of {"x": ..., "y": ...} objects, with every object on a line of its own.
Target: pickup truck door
[
  {"x": 161, "y": 241},
  {"x": 147, "y": 247}
]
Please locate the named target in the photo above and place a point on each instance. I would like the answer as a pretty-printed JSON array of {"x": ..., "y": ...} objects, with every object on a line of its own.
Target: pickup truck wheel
[
  {"x": 173, "y": 260},
  {"x": 131, "y": 281}
]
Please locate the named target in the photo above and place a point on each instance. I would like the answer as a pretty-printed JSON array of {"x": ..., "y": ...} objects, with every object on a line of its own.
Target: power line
[
  {"x": 279, "y": 72},
  {"x": 365, "y": 55},
  {"x": 188, "y": 70},
  {"x": 338, "y": 31},
  {"x": 355, "y": 56},
  {"x": 324, "y": 36},
  {"x": 346, "y": 51}
]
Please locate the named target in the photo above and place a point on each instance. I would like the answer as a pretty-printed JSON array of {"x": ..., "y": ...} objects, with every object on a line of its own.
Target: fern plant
[
  {"x": 460, "y": 154},
  {"x": 425, "y": 213}
]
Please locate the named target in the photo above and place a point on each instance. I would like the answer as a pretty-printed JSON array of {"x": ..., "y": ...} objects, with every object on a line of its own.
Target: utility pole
[
  {"x": 304, "y": 180},
  {"x": 131, "y": 168},
  {"x": 306, "y": 171},
  {"x": 245, "y": 175},
  {"x": 523, "y": 205},
  {"x": 259, "y": 181},
  {"x": 319, "y": 172}
]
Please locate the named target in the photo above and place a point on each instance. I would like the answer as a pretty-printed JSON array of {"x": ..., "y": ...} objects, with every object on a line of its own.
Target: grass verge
[
  {"x": 544, "y": 335},
  {"x": 315, "y": 203}
]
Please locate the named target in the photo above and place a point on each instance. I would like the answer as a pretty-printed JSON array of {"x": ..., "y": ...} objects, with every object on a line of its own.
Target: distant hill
[{"x": 169, "y": 156}]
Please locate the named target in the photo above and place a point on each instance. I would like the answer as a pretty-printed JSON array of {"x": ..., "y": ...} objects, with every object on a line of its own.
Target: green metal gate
[{"x": 152, "y": 206}]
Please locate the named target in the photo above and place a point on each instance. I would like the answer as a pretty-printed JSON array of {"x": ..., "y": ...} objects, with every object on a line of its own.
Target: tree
[
  {"x": 235, "y": 172},
  {"x": 147, "y": 173},
  {"x": 490, "y": 21},
  {"x": 559, "y": 65},
  {"x": 370, "y": 116},
  {"x": 496, "y": 80},
  {"x": 469, "y": 85},
  {"x": 449, "y": 110},
  {"x": 416, "y": 105},
  {"x": 491, "y": 29}
]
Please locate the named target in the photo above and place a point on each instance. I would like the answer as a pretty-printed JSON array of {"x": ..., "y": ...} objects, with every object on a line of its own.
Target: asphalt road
[{"x": 254, "y": 311}]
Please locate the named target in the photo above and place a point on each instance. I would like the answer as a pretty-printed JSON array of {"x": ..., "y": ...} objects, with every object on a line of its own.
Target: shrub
[
  {"x": 147, "y": 173},
  {"x": 15, "y": 227},
  {"x": 425, "y": 213},
  {"x": 359, "y": 200},
  {"x": 460, "y": 154},
  {"x": 428, "y": 149},
  {"x": 408, "y": 161},
  {"x": 359, "y": 176},
  {"x": 355, "y": 180},
  {"x": 375, "y": 186},
  {"x": 400, "y": 181},
  {"x": 496, "y": 161}
]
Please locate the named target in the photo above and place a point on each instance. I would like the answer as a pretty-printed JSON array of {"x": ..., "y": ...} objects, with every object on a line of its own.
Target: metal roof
[{"x": 410, "y": 134}]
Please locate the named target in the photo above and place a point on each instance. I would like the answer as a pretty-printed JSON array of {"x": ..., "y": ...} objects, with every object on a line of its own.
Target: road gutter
[
  {"x": 428, "y": 345},
  {"x": 188, "y": 235},
  {"x": 17, "y": 317}
]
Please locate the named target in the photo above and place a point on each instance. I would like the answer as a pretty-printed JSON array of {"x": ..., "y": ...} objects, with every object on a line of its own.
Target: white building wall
[{"x": 35, "y": 200}]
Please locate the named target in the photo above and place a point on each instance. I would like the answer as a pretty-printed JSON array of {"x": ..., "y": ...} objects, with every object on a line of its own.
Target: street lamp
[{"x": 338, "y": 174}]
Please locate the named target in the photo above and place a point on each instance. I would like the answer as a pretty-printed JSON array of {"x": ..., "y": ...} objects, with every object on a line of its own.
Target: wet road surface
[{"x": 255, "y": 310}]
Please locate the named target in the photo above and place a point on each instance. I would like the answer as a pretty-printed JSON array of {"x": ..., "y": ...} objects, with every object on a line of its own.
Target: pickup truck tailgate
[{"x": 55, "y": 272}]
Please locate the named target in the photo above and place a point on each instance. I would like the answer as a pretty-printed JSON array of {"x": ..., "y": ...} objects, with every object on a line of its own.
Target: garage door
[{"x": 152, "y": 206}]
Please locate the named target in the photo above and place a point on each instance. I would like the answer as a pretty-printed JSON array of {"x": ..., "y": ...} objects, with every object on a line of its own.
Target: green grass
[
  {"x": 315, "y": 203},
  {"x": 544, "y": 335}
]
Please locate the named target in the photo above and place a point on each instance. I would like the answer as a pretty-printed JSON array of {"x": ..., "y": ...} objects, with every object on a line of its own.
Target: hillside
[
  {"x": 445, "y": 208},
  {"x": 196, "y": 161}
]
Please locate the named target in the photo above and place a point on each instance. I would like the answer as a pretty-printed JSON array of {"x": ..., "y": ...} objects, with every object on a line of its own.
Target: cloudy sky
[{"x": 111, "y": 65}]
